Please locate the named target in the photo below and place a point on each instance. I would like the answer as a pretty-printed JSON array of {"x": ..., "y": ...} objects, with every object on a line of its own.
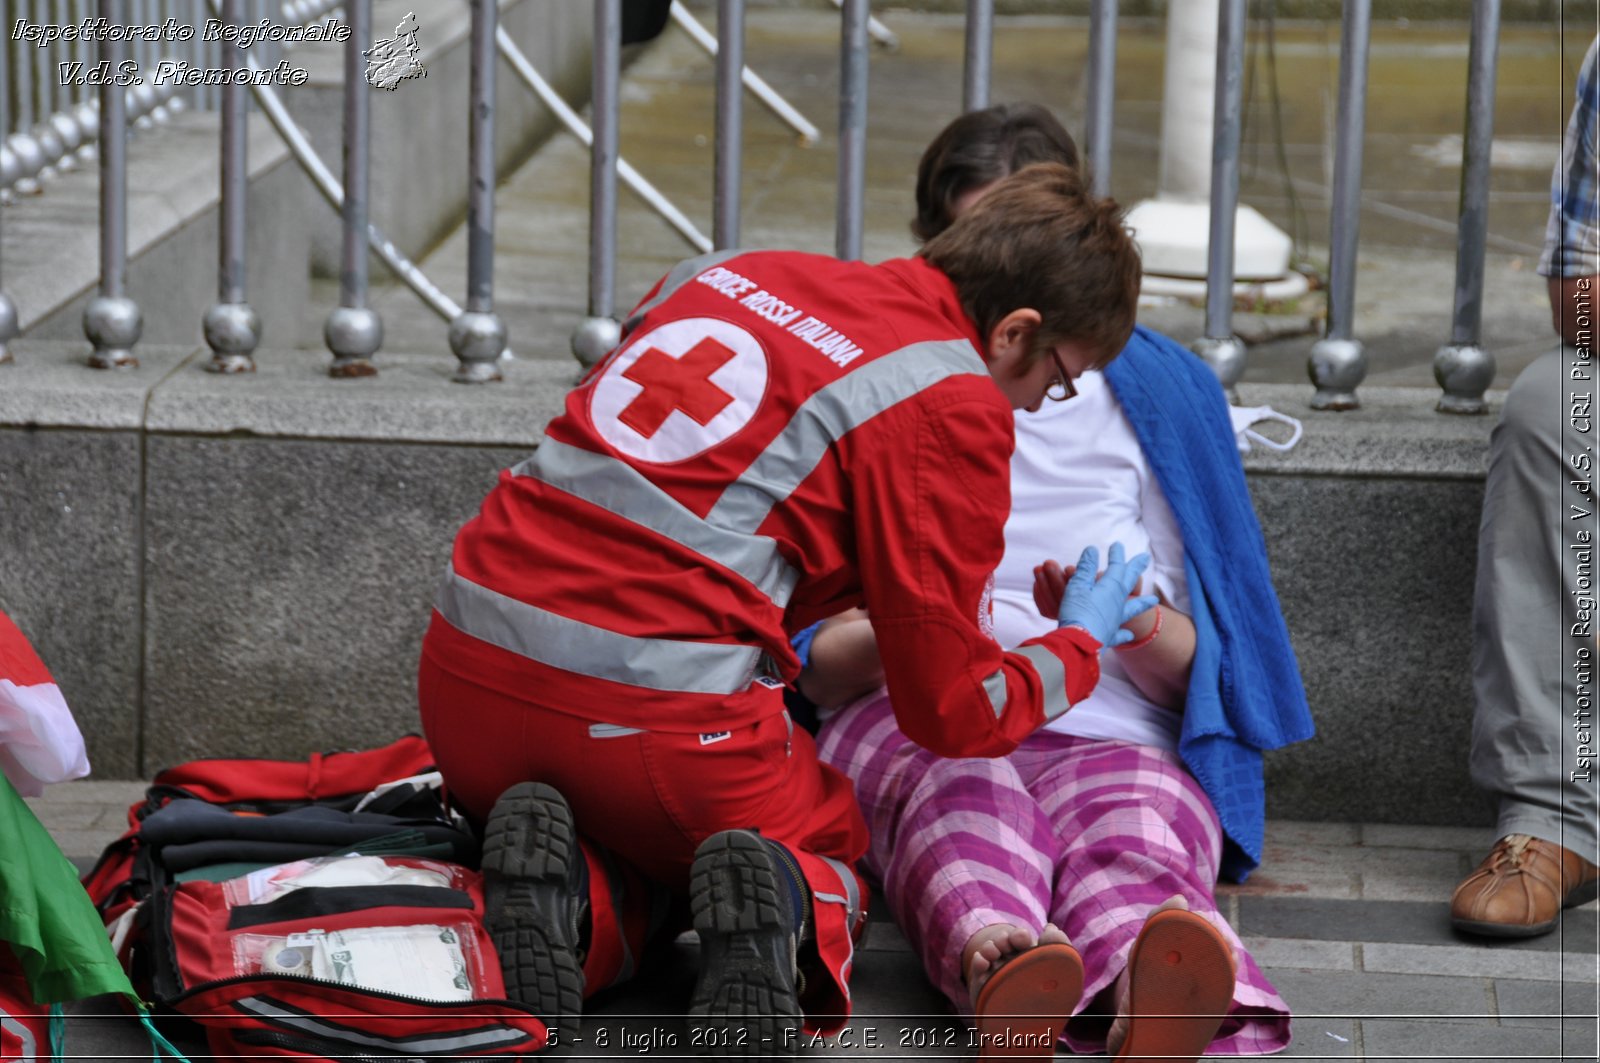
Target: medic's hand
[{"x": 1101, "y": 605}]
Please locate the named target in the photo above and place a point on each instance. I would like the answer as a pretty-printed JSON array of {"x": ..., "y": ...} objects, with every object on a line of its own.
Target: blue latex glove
[{"x": 1100, "y": 605}]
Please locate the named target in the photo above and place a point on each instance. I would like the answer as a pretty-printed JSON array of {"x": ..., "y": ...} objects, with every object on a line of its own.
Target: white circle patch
[{"x": 679, "y": 389}]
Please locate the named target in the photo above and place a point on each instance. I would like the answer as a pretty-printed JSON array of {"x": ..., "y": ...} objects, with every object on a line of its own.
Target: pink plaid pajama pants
[{"x": 1085, "y": 833}]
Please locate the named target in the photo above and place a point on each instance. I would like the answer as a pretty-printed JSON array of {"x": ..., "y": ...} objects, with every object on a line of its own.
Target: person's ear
[{"x": 1012, "y": 336}]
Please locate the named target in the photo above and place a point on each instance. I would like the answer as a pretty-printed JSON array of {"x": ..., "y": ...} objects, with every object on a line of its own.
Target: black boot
[
  {"x": 535, "y": 897},
  {"x": 745, "y": 1003}
]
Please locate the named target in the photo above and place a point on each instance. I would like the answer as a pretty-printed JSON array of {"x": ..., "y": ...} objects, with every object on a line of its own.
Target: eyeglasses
[{"x": 1061, "y": 388}]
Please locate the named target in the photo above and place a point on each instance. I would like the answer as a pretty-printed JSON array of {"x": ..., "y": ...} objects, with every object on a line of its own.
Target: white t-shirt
[{"x": 1079, "y": 478}]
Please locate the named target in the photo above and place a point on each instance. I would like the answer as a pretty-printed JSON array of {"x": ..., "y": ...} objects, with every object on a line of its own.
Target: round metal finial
[
  {"x": 353, "y": 334},
  {"x": 1226, "y": 358},
  {"x": 1464, "y": 371},
  {"x": 594, "y": 338},
  {"x": 477, "y": 340},
  {"x": 10, "y": 166},
  {"x": 30, "y": 161},
  {"x": 9, "y": 326},
  {"x": 113, "y": 324},
  {"x": 232, "y": 332},
  {"x": 65, "y": 128},
  {"x": 1336, "y": 367},
  {"x": 88, "y": 116},
  {"x": 142, "y": 99},
  {"x": 50, "y": 145}
]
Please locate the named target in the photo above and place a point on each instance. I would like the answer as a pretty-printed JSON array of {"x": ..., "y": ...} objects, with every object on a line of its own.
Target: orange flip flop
[
  {"x": 1180, "y": 986},
  {"x": 1024, "y": 1006}
]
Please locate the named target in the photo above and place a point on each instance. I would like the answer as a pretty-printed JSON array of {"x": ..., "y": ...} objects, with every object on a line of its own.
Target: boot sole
[
  {"x": 531, "y": 883},
  {"x": 744, "y": 1004}
]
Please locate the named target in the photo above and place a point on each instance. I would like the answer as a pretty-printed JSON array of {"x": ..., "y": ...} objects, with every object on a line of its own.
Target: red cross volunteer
[{"x": 778, "y": 437}]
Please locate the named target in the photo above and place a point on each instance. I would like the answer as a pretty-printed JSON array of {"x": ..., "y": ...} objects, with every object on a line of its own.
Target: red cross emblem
[{"x": 676, "y": 384}]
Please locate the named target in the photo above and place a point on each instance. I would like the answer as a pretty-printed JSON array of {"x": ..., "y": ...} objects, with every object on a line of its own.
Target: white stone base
[
  {"x": 1155, "y": 290},
  {"x": 1175, "y": 235}
]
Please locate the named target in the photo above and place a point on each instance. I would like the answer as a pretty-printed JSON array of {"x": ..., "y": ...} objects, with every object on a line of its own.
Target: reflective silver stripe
[
  {"x": 1052, "y": 676},
  {"x": 680, "y": 275},
  {"x": 612, "y": 730},
  {"x": 852, "y": 889},
  {"x": 574, "y": 646},
  {"x": 29, "y": 1046},
  {"x": 828, "y": 415},
  {"x": 852, "y": 903},
  {"x": 995, "y": 687},
  {"x": 619, "y": 488},
  {"x": 465, "y": 1041}
]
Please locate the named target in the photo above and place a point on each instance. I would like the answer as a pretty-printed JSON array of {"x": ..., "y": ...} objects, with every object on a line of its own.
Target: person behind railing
[
  {"x": 1102, "y": 829},
  {"x": 1532, "y": 669},
  {"x": 778, "y": 437}
]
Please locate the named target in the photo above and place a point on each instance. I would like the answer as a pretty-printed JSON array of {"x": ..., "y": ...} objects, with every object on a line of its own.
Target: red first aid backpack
[
  {"x": 24, "y": 1025},
  {"x": 332, "y": 955}
]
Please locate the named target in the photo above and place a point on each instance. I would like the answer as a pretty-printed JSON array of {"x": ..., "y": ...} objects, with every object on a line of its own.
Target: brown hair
[
  {"x": 980, "y": 148},
  {"x": 1042, "y": 240}
]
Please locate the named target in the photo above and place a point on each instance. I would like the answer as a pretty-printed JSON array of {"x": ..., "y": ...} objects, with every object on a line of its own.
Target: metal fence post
[
  {"x": 730, "y": 116},
  {"x": 9, "y": 325},
  {"x": 1102, "y": 92},
  {"x": 232, "y": 327},
  {"x": 44, "y": 130},
  {"x": 30, "y": 157},
  {"x": 477, "y": 335},
  {"x": 852, "y": 129},
  {"x": 60, "y": 118},
  {"x": 1338, "y": 362},
  {"x": 354, "y": 331},
  {"x": 979, "y": 55},
  {"x": 112, "y": 321},
  {"x": 1462, "y": 367},
  {"x": 598, "y": 333},
  {"x": 1221, "y": 349},
  {"x": 87, "y": 112}
]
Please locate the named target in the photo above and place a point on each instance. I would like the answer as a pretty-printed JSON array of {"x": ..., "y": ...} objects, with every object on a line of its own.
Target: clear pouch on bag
[{"x": 428, "y": 961}]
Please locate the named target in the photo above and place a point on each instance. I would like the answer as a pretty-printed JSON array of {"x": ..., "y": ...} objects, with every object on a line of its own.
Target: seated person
[{"x": 1105, "y": 825}]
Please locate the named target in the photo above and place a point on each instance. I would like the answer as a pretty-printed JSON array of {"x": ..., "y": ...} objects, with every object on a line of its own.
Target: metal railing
[
  {"x": 49, "y": 127},
  {"x": 49, "y": 100}
]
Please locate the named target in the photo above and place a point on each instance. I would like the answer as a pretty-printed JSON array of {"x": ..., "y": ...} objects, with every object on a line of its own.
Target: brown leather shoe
[{"x": 1520, "y": 888}]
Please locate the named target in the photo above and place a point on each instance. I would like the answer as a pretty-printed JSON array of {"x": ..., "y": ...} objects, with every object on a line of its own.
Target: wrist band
[{"x": 1149, "y": 637}]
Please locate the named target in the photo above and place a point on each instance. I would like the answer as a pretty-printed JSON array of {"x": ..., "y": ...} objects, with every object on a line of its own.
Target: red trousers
[{"x": 652, "y": 797}]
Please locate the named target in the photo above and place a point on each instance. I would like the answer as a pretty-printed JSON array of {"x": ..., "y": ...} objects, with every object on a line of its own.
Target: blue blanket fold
[{"x": 1245, "y": 694}]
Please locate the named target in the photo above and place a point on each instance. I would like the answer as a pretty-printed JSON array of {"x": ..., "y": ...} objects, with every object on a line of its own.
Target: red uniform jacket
[{"x": 779, "y": 436}]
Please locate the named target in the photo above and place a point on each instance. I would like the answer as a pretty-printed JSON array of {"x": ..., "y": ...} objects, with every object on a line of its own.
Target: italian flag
[{"x": 39, "y": 741}]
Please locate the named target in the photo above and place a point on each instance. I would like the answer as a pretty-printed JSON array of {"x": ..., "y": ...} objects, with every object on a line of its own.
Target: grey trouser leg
[{"x": 1525, "y": 747}]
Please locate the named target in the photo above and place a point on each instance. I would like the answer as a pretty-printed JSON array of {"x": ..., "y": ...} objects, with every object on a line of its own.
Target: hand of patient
[{"x": 1101, "y": 604}]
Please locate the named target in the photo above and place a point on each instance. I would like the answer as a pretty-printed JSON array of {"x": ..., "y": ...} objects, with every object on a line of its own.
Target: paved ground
[
  {"x": 1410, "y": 189},
  {"x": 1347, "y": 919}
]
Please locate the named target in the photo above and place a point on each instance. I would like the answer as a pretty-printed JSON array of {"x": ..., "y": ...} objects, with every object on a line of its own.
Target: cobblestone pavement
[{"x": 1348, "y": 919}]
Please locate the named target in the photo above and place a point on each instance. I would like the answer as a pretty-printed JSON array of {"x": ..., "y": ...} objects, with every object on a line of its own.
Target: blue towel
[{"x": 1245, "y": 694}]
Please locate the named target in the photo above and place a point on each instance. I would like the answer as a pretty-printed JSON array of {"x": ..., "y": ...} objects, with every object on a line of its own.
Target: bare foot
[
  {"x": 988, "y": 948},
  {"x": 993, "y": 945},
  {"x": 1119, "y": 1026}
]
